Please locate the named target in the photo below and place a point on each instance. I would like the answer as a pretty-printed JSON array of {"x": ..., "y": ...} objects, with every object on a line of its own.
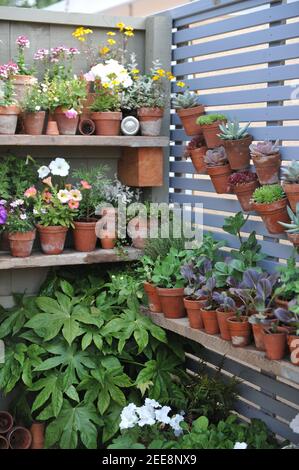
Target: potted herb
[
  {"x": 227, "y": 309},
  {"x": 236, "y": 142},
  {"x": 270, "y": 203},
  {"x": 290, "y": 176},
  {"x": 218, "y": 169},
  {"x": 209, "y": 125},
  {"x": 243, "y": 184},
  {"x": 208, "y": 311},
  {"x": 20, "y": 226},
  {"x": 275, "y": 340},
  {"x": 188, "y": 109},
  {"x": 267, "y": 161},
  {"x": 290, "y": 317},
  {"x": 34, "y": 109},
  {"x": 9, "y": 110},
  {"x": 292, "y": 229},
  {"x": 146, "y": 270},
  {"x": 196, "y": 150},
  {"x": 106, "y": 112},
  {"x": 23, "y": 78}
]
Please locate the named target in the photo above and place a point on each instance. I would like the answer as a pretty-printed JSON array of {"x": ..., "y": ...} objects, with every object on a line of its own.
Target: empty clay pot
[
  {"x": 172, "y": 302},
  {"x": 52, "y": 128},
  {"x": 193, "y": 308},
  {"x": 6, "y": 422},
  {"x": 85, "y": 238},
  {"x": 294, "y": 238},
  {"x": 272, "y": 214},
  {"x": 197, "y": 157},
  {"x": 292, "y": 192},
  {"x": 19, "y": 438},
  {"x": 244, "y": 193},
  {"x": 188, "y": 118},
  {"x": 154, "y": 302},
  {"x": 38, "y": 435},
  {"x": 238, "y": 152},
  {"x": 4, "y": 444},
  {"x": 21, "y": 243},
  {"x": 34, "y": 122},
  {"x": 223, "y": 325},
  {"x": 107, "y": 123},
  {"x": 108, "y": 243},
  {"x": 210, "y": 321},
  {"x": 219, "y": 176},
  {"x": 150, "y": 121},
  {"x": 52, "y": 239},
  {"x": 240, "y": 330}
]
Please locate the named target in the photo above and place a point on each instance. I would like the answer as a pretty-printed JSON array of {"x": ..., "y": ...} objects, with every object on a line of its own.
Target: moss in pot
[
  {"x": 243, "y": 184},
  {"x": 196, "y": 150},
  {"x": 210, "y": 128},
  {"x": 270, "y": 203},
  {"x": 236, "y": 142},
  {"x": 218, "y": 169}
]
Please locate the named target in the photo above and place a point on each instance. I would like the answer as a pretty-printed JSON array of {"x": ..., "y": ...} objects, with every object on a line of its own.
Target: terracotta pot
[
  {"x": 34, "y": 122},
  {"x": 4, "y": 444},
  {"x": 4, "y": 242},
  {"x": 66, "y": 126},
  {"x": 210, "y": 321},
  {"x": 293, "y": 343},
  {"x": 275, "y": 344},
  {"x": 267, "y": 168},
  {"x": 107, "y": 123},
  {"x": 197, "y": 157},
  {"x": 172, "y": 302},
  {"x": 210, "y": 133},
  {"x": 153, "y": 297},
  {"x": 85, "y": 238},
  {"x": 150, "y": 121},
  {"x": 258, "y": 334},
  {"x": 86, "y": 126},
  {"x": 19, "y": 438},
  {"x": 86, "y": 112},
  {"x": 8, "y": 119},
  {"x": 21, "y": 84},
  {"x": 193, "y": 308},
  {"x": 272, "y": 214},
  {"x": 238, "y": 152},
  {"x": 52, "y": 239},
  {"x": 52, "y": 128},
  {"x": 6, "y": 422},
  {"x": 240, "y": 331},
  {"x": 188, "y": 118},
  {"x": 21, "y": 243},
  {"x": 219, "y": 176},
  {"x": 223, "y": 325},
  {"x": 244, "y": 193},
  {"x": 294, "y": 238},
  {"x": 292, "y": 192},
  {"x": 279, "y": 302},
  {"x": 108, "y": 243},
  {"x": 38, "y": 435}
]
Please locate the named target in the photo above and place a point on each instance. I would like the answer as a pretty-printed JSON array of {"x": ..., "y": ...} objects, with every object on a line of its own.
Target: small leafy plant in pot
[
  {"x": 209, "y": 125},
  {"x": 227, "y": 309},
  {"x": 290, "y": 177},
  {"x": 288, "y": 287},
  {"x": 146, "y": 271},
  {"x": 20, "y": 226},
  {"x": 188, "y": 110},
  {"x": 290, "y": 318},
  {"x": 267, "y": 161},
  {"x": 196, "y": 150},
  {"x": 34, "y": 109},
  {"x": 236, "y": 142},
  {"x": 208, "y": 311},
  {"x": 243, "y": 184},
  {"x": 270, "y": 203},
  {"x": 9, "y": 110},
  {"x": 218, "y": 169},
  {"x": 106, "y": 112}
]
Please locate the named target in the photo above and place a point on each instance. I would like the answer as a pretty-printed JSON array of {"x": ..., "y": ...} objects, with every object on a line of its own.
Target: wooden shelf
[
  {"x": 79, "y": 140},
  {"x": 248, "y": 355},
  {"x": 69, "y": 257}
]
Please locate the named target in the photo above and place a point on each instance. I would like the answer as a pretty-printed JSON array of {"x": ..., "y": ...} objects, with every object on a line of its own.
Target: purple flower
[
  {"x": 71, "y": 113},
  {"x": 23, "y": 41},
  {"x": 3, "y": 215}
]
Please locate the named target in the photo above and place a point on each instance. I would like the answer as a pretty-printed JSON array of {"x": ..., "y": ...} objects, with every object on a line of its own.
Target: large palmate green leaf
[{"x": 13, "y": 320}]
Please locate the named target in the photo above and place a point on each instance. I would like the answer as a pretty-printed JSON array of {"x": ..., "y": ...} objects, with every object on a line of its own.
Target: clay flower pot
[
  {"x": 188, "y": 118},
  {"x": 210, "y": 133},
  {"x": 293, "y": 343},
  {"x": 294, "y": 238},
  {"x": 275, "y": 344},
  {"x": 238, "y": 152},
  {"x": 219, "y": 176},
  {"x": 193, "y": 308},
  {"x": 292, "y": 192},
  {"x": 150, "y": 121},
  {"x": 153, "y": 297},
  {"x": 272, "y": 214},
  {"x": 19, "y": 438},
  {"x": 108, "y": 242},
  {"x": 172, "y": 301},
  {"x": 197, "y": 157},
  {"x": 38, "y": 435},
  {"x": 8, "y": 119},
  {"x": 66, "y": 126},
  {"x": 244, "y": 193},
  {"x": 6, "y": 422},
  {"x": 4, "y": 444},
  {"x": 210, "y": 321},
  {"x": 21, "y": 243},
  {"x": 259, "y": 334},
  {"x": 52, "y": 128},
  {"x": 223, "y": 325},
  {"x": 21, "y": 84},
  {"x": 85, "y": 238},
  {"x": 34, "y": 122},
  {"x": 267, "y": 168},
  {"x": 107, "y": 123},
  {"x": 240, "y": 330},
  {"x": 52, "y": 239}
]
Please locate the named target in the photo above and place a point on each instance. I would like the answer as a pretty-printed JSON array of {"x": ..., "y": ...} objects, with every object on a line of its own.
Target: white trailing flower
[
  {"x": 128, "y": 417},
  {"x": 112, "y": 74},
  {"x": 59, "y": 167},
  {"x": 151, "y": 402},
  {"x": 240, "y": 445},
  {"x": 175, "y": 424},
  {"x": 294, "y": 424},
  {"x": 43, "y": 171},
  {"x": 162, "y": 415},
  {"x": 146, "y": 415},
  {"x": 64, "y": 196}
]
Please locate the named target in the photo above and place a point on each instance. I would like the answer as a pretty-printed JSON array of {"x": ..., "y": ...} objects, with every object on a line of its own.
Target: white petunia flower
[
  {"x": 43, "y": 171},
  {"x": 175, "y": 424},
  {"x": 146, "y": 415},
  {"x": 23, "y": 216},
  {"x": 128, "y": 417},
  {"x": 162, "y": 415},
  {"x": 294, "y": 424},
  {"x": 76, "y": 195},
  {"x": 240, "y": 445},
  {"x": 19, "y": 202},
  {"x": 64, "y": 196},
  {"x": 152, "y": 403},
  {"x": 37, "y": 108},
  {"x": 59, "y": 167},
  {"x": 110, "y": 72}
]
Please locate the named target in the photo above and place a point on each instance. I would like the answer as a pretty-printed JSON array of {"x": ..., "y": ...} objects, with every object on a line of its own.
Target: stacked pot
[{"x": 13, "y": 436}]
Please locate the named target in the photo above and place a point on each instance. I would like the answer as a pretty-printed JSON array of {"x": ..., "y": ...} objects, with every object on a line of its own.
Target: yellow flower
[
  {"x": 181, "y": 84},
  {"x": 129, "y": 33},
  {"x": 104, "y": 50},
  {"x": 111, "y": 33},
  {"x": 105, "y": 85},
  {"x": 111, "y": 41},
  {"x": 129, "y": 28},
  {"x": 135, "y": 71},
  {"x": 161, "y": 72},
  {"x": 121, "y": 26},
  {"x": 115, "y": 82},
  {"x": 170, "y": 77},
  {"x": 81, "y": 32},
  {"x": 156, "y": 77}
]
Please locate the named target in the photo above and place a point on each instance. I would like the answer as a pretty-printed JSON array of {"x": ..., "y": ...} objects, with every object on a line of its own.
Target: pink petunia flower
[
  {"x": 30, "y": 192},
  {"x": 71, "y": 113},
  {"x": 85, "y": 184},
  {"x": 73, "y": 204}
]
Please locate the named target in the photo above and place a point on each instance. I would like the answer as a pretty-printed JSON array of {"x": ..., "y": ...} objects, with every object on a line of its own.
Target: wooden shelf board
[
  {"x": 248, "y": 355},
  {"x": 79, "y": 140},
  {"x": 69, "y": 257}
]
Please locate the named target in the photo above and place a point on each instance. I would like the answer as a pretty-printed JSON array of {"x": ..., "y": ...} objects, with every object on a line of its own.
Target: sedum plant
[
  {"x": 216, "y": 157},
  {"x": 242, "y": 177},
  {"x": 291, "y": 173},
  {"x": 263, "y": 149},
  {"x": 185, "y": 100},
  {"x": 293, "y": 227},
  {"x": 208, "y": 119},
  {"x": 233, "y": 131},
  {"x": 268, "y": 194},
  {"x": 196, "y": 143}
]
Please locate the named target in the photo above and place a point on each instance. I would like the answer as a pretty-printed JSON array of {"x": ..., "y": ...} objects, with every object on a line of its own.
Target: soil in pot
[
  {"x": 193, "y": 308},
  {"x": 223, "y": 325},
  {"x": 85, "y": 238},
  {"x": 153, "y": 297},
  {"x": 272, "y": 214},
  {"x": 19, "y": 438},
  {"x": 38, "y": 435},
  {"x": 210, "y": 133},
  {"x": 292, "y": 192},
  {"x": 240, "y": 331},
  {"x": 219, "y": 176},
  {"x": 244, "y": 193},
  {"x": 108, "y": 243},
  {"x": 6, "y": 422},
  {"x": 150, "y": 121},
  {"x": 34, "y": 122},
  {"x": 188, "y": 118},
  {"x": 275, "y": 344},
  {"x": 66, "y": 126},
  {"x": 197, "y": 157},
  {"x": 210, "y": 321},
  {"x": 52, "y": 239},
  {"x": 4, "y": 444},
  {"x": 238, "y": 152},
  {"x": 294, "y": 238},
  {"x": 21, "y": 243},
  {"x": 293, "y": 343},
  {"x": 107, "y": 123},
  {"x": 172, "y": 302},
  {"x": 267, "y": 168},
  {"x": 8, "y": 119}
]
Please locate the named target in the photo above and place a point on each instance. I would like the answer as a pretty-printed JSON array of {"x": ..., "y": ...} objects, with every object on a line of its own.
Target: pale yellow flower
[
  {"x": 111, "y": 33},
  {"x": 129, "y": 28},
  {"x": 129, "y": 33},
  {"x": 135, "y": 71},
  {"x": 156, "y": 77},
  {"x": 105, "y": 85},
  {"x": 161, "y": 72},
  {"x": 121, "y": 26},
  {"x": 111, "y": 41},
  {"x": 104, "y": 50},
  {"x": 181, "y": 84}
]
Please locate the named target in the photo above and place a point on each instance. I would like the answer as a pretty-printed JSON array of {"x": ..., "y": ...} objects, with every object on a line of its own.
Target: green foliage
[
  {"x": 268, "y": 194},
  {"x": 105, "y": 101},
  {"x": 167, "y": 271},
  {"x": 210, "y": 119},
  {"x": 68, "y": 93},
  {"x": 16, "y": 175},
  {"x": 289, "y": 280},
  {"x": 20, "y": 219},
  {"x": 233, "y": 131},
  {"x": 293, "y": 227},
  {"x": 54, "y": 212},
  {"x": 35, "y": 99},
  {"x": 185, "y": 100}
]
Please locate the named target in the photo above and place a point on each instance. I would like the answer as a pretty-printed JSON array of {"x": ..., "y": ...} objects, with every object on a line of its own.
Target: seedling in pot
[{"x": 196, "y": 276}]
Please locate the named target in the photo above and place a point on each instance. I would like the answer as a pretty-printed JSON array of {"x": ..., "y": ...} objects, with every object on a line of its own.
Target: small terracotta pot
[
  {"x": 193, "y": 308},
  {"x": 6, "y": 422},
  {"x": 272, "y": 214},
  {"x": 267, "y": 168},
  {"x": 188, "y": 118},
  {"x": 66, "y": 125},
  {"x": 197, "y": 157},
  {"x": 293, "y": 343},
  {"x": 223, "y": 325},
  {"x": 21, "y": 243},
  {"x": 21, "y": 85},
  {"x": 19, "y": 438},
  {"x": 292, "y": 192},
  {"x": 8, "y": 119},
  {"x": 153, "y": 297},
  {"x": 258, "y": 334},
  {"x": 150, "y": 121},
  {"x": 172, "y": 302},
  {"x": 38, "y": 435},
  {"x": 86, "y": 126},
  {"x": 238, "y": 152},
  {"x": 34, "y": 122},
  {"x": 4, "y": 444},
  {"x": 294, "y": 238},
  {"x": 52, "y": 239},
  {"x": 219, "y": 176},
  {"x": 85, "y": 238},
  {"x": 244, "y": 193},
  {"x": 210, "y": 133},
  {"x": 279, "y": 302},
  {"x": 52, "y": 128},
  {"x": 275, "y": 344},
  {"x": 107, "y": 123},
  {"x": 240, "y": 331},
  {"x": 210, "y": 321},
  {"x": 108, "y": 243}
]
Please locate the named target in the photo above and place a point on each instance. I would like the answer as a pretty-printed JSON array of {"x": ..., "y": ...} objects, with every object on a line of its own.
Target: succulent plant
[
  {"x": 216, "y": 157},
  {"x": 268, "y": 194},
  {"x": 290, "y": 174},
  {"x": 210, "y": 118},
  {"x": 195, "y": 143},
  {"x": 233, "y": 131},
  {"x": 262, "y": 149},
  {"x": 241, "y": 177},
  {"x": 185, "y": 100},
  {"x": 293, "y": 227}
]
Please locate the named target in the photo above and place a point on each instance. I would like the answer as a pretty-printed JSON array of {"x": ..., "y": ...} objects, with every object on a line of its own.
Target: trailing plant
[
  {"x": 290, "y": 174},
  {"x": 264, "y": 149},
  {"x": 196, "y": 143},
  {"x": 242, "y": 177},
  {"x": 233, "y": 131},
  {"x": 293, "y": 227},
  {"x": 208, "y": 119},
  {"x": 268, "y": 194},
  {"x": 185, "y": 100}
]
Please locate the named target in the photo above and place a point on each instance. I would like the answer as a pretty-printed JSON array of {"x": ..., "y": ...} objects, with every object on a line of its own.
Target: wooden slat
[{"x": 78, "y": 140}]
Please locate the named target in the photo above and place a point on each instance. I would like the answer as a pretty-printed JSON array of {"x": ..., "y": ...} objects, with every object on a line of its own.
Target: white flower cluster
[
  {"x": 294, "y": 424},
  {"x": 149, "y": 414},
  {"x": 111, "y": 74},
  {"x": 57, "y": 167},
  {"x": 240, "y": 445}
]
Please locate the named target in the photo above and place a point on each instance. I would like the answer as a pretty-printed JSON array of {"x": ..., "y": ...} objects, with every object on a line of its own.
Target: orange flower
[
  {"x": 48, "y": 181},
  {"x": 85, "y": 184},
  {"x": 47, "y": 196},
  {"x": 30, "y": 192},
  {"x": 73, "y": 204}
]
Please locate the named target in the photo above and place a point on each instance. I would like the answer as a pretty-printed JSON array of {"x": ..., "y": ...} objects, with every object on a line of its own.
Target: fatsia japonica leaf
[
  {"x": 50, "y": 387},
  {"x": 13, "y": 320}
]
